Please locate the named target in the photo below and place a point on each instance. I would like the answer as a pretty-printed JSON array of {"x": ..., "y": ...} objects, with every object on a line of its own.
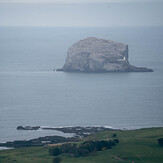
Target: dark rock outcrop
[
  {"x": 28, "y": 127},
  {"x": 41, "y": 141},
  {"x": 80, "y": 131},
  {"x": 99, "y": 55}
]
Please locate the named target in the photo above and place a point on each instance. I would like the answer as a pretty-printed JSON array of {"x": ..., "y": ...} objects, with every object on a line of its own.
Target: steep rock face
[{"x": 99, "y": 55}]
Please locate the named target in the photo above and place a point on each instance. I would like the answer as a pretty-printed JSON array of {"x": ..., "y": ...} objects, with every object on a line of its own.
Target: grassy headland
[{"x": 137, "y": 146}]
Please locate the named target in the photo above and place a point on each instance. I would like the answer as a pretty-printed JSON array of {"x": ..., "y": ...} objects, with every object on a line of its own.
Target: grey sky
[
  {"x": 73, "y": 1},
  {"x": 67, "y": 13}
]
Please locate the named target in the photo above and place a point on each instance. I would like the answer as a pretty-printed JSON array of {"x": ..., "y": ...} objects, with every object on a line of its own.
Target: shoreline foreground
[
  {"x": 140, "y": 145},
  {"x": 78, "y": 132}
]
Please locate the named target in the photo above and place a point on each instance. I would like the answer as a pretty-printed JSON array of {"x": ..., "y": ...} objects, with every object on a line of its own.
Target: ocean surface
[{"x": 31, "y": 93}]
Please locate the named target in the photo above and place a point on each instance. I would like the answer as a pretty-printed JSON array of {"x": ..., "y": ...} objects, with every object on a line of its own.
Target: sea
[{"x": 33, "y": 94}]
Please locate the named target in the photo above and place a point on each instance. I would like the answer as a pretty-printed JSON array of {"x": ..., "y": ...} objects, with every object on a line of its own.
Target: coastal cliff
[{"x": 99, "y": 55}]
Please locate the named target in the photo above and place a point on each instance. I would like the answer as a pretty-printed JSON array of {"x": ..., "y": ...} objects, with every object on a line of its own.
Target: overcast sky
[
  {"x": 73, "y": 1},
  {"x": 81, "y": 12}
]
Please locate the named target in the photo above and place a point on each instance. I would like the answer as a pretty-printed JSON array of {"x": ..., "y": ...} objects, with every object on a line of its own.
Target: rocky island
[{"x": 99, "y": 55}]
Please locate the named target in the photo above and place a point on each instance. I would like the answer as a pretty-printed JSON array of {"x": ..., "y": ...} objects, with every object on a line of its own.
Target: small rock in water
[{"x": 28, "y": 127}]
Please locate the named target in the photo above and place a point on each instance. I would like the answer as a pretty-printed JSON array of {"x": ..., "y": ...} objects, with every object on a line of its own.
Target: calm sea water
[{"x": 32, "y": 94}]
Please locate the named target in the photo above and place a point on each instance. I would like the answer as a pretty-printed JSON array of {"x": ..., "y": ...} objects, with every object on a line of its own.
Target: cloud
[{"x": 72, "y": 1}]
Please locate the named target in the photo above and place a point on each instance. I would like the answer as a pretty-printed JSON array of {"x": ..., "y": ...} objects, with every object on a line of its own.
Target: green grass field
[{"x": 136, "y": 146}]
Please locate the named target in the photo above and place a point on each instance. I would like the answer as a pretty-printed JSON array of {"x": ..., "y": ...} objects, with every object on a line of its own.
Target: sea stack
[{"x": 99, "y": 55}]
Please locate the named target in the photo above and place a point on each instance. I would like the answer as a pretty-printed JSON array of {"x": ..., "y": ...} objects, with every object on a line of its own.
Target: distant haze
[{"x": 81, "y": 13}]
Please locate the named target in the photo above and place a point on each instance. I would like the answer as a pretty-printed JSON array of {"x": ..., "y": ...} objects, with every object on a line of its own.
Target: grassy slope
[{"x": 139, "y": 146}]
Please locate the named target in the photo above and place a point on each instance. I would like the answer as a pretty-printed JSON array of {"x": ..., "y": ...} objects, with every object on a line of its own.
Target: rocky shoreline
[
  {"x": 41, "y": 141},
  {"x": 79, "y": 133}
]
